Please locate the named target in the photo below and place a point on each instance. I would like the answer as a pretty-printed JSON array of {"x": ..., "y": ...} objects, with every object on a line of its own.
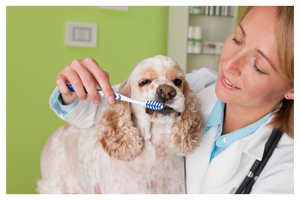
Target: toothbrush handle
[
  {"x": 117, "y": 95},
  {"x": 124, "y": 98},
  {"x": 69, "y": 85}
]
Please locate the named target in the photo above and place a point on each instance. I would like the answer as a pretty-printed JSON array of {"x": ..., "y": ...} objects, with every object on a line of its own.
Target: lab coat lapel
[
  {"x": 222, "y": 167},
  {"x": 255, "y": 147},
  {"x": 226, "y": 164},
  {"x": 197, "y": 163}
]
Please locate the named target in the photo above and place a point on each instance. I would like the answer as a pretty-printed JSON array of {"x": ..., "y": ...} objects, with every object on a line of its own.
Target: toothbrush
[{"x": 151, "y": 104}]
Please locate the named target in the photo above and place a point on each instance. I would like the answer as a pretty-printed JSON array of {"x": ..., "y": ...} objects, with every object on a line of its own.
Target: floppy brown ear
[
  {"x": 185, "y": 133},
  {"x": 118, "y": 137}
]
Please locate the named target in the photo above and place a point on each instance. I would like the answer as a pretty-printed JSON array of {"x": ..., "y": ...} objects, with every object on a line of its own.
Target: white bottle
[
  {"x": 197, "y": 40},
  {"x": 217, "y": 10},
  {"x": 197, "y": 10},
  {"x": 206, "y": 10},
  {"x": 224, "y": 11},
  {"x": 211, "y": 10},
  {"x": 190, "y": 42}
]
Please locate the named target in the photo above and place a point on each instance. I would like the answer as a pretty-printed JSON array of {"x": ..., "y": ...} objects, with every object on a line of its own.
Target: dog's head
[
  {"x": 160, "y": 79},
  {"x": 157, "y": 78}
]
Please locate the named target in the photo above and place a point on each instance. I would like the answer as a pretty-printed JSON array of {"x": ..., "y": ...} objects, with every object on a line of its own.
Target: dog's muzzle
[
  {"x": 165, "y": 111},
  {"x": 165, "y": 93}
]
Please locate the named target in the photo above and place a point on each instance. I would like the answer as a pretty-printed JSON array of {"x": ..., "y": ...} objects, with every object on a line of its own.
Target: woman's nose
[{"x": 235, "y": 63}]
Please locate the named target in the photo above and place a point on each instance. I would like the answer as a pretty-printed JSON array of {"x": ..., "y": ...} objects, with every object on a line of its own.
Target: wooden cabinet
[{"x": 214, "y": 29}]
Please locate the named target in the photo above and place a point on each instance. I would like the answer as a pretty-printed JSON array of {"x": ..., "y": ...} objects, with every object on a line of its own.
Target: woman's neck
[{"x": 237, "y": 117}]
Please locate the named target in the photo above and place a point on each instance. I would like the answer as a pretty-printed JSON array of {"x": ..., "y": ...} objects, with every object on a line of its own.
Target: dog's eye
[
  {"x": 144, "y": 82},
  {"x": 177, "y": 82}
]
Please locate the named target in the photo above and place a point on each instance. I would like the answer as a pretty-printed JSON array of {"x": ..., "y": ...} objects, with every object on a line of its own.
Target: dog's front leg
[{"x": 148, "y": 130}]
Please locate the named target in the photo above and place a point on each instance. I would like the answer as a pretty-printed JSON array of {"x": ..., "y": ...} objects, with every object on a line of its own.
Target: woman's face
[{"x": 247, "y": 76}]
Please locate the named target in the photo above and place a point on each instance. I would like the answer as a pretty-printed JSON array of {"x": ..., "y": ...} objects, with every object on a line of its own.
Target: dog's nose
[{"x": 166, "y": 92}]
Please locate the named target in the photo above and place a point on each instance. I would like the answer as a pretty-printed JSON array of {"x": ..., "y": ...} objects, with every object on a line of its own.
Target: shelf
[
  {"x": 219, "y": 16},
  {"x": 214, "y": 28}
]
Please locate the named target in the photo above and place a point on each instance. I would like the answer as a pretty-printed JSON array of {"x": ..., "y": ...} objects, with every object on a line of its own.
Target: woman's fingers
[
  {"x": 68, "y": 96},
  {"x": 101, "y": 77},
  {"x": 84, "y": 75},
  {"x": 73, "y": 76},
  {"x": 61, "y": 81},
  {"x": 89, "y": 83},
  {"x": 97, "y": 189}
]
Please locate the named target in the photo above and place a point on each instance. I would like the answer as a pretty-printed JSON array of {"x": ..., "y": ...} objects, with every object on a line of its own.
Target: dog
[{"x": 132, "y": 149}]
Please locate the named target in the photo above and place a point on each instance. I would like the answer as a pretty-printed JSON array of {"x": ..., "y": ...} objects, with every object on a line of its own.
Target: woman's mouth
[{"x": 227, "y": 84}]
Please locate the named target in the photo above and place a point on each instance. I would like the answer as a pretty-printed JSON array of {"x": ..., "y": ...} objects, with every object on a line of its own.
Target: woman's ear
[
  {"x": 185, "y": 133},
  {"x": 289, "y": 95},
  {"x": 118, "y": 137}
]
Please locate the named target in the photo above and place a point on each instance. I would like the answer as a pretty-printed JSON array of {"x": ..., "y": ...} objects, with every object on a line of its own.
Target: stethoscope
[{"x": 258, "y": 166}]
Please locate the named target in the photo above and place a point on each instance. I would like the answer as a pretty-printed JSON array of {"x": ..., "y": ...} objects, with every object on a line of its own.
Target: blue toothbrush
[{"x": 154, "y": 105}]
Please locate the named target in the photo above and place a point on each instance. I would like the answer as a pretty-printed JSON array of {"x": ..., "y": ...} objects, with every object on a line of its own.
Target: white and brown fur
[{"x": 129, "y": 150}]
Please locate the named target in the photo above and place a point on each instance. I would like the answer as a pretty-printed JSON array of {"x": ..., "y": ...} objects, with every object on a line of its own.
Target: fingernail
[
  {"x": 111, "y": 100},
  {"x": 97, "y": 188},
  {"x": 97, "y": 102}
]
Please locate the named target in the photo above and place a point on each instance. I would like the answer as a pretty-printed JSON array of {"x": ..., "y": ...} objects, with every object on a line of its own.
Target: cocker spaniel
[{"x": 132, "y": 149}]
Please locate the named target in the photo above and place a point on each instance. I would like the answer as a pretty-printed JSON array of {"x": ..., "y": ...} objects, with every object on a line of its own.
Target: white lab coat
[{"x": 227, "y": 170}]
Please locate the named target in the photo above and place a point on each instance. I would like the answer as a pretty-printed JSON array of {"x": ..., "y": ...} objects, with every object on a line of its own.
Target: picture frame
[
  {"x": 81, "y": 34},
  {"x": 123, "y": 7}
]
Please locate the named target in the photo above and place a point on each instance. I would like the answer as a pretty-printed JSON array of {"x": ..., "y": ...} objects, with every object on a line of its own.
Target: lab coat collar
[
  {"x": 217, "y": 115},
  {"x": 255, "y": 147},
  {"x": 201, "y": 176},
  {"x": 252, "y": 145}
]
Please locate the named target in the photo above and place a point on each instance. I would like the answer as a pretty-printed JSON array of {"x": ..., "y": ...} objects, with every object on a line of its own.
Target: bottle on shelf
[
  {"x": 211, "y": 10},
  {"x": 206, "y": 10},
  {"x": 190, "y": 43},
  {"x": 197, "y": 40},
  {"x": 195, "y": 9},
  {"x": 224, "y": 11},
  {"x": 217, "y": 10}
]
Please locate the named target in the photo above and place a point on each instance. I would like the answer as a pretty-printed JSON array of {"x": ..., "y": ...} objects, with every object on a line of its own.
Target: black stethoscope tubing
[{"x": 258, "y": 166}]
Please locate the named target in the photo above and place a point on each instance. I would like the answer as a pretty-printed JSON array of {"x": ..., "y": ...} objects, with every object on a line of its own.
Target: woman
[{"x": 253, "y": 93}]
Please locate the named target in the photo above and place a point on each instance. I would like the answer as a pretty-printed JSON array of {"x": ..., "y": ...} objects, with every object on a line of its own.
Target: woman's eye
[
  {"x": 177, "y": 82},
  {"x": 236, "y": 41},
  {"x": 258, "y": 70},
  {"x": 144, "y": 82}
]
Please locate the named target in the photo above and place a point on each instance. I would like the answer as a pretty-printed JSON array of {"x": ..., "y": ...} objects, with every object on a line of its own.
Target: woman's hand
[
  {"x": 97, "y": 189},
  {"x": 84, "y": 73}
]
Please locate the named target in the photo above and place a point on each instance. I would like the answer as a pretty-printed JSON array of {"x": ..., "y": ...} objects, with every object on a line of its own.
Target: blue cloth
[
  {"x": 223, "y": 141},
  {"x": 56, "y": 103}
]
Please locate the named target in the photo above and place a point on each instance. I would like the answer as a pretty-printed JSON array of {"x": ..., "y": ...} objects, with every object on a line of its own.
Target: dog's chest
[{"x": 155, "y": 170}]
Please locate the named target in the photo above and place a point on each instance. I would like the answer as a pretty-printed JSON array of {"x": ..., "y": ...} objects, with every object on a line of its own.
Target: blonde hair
[{"x": 283, "y": 118}]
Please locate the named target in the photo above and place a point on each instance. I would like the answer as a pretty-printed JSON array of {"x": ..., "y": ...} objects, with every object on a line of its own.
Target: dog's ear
[
  {"x": 185, "y": 133},
  {"x": 118, "y": 137}
]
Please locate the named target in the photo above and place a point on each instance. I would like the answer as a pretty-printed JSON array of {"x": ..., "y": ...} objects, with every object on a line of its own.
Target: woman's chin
[{"x": 222, "y": 94}]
